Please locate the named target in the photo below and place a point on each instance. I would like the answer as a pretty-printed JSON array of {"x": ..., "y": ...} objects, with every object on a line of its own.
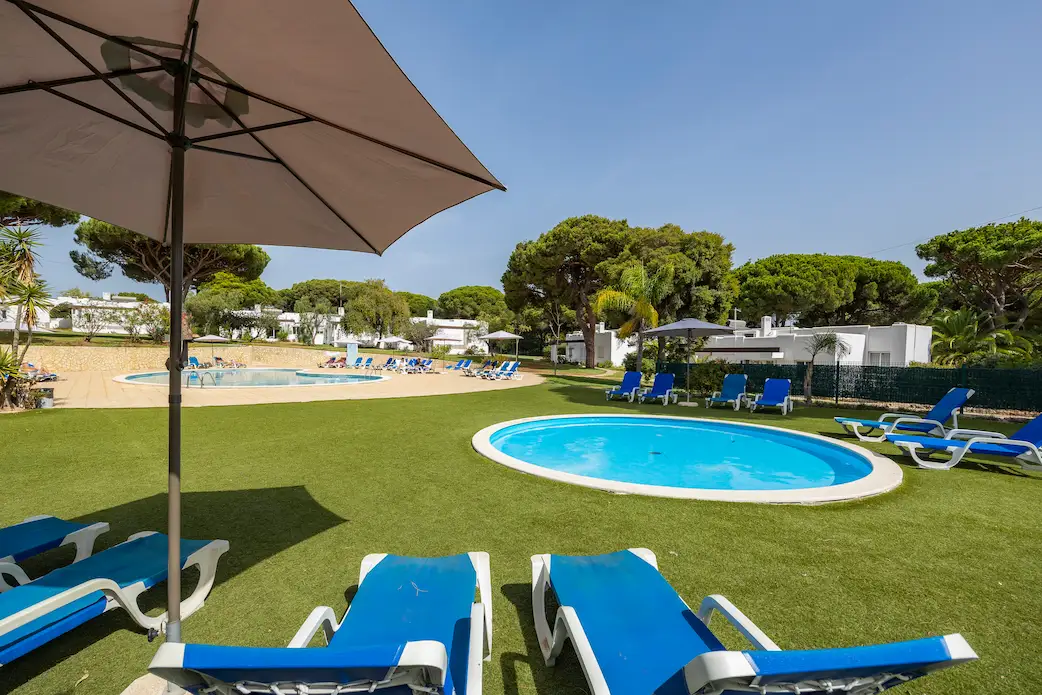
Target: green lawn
[{"x": 304, "y": 491}]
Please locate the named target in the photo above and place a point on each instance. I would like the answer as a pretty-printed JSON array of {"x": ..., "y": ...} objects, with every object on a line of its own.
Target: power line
[{"x": 919, "y": 241}]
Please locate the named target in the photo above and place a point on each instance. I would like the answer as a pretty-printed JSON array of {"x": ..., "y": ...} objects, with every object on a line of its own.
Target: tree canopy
[
  {"x": 16, "y": 211},
  {"x": 146, "y": 260},
  {"x": 374, "y": 308},
  {"x": 336, "y": 293},
  {"x": 419, "y": 304},
  {"x": 820, "y": 289},
  {"x": 250, "y": 292},
  {"x": 995, "y": 269},
  {"x": 470, "y": 302}
]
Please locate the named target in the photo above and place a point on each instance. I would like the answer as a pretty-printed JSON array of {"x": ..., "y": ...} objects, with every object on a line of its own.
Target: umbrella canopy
[
  {"x": 393, "y": 340},
  {"x": 230, "y": 121},
  {"x": 211, "y": 339},
  {"x": 690, "y": 329},
  {"x": 499, "y": 335},
  {"x": 505, "y": 335}
]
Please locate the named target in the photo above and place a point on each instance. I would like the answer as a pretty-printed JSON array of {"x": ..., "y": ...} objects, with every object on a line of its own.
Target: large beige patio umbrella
[{"x": 221, "y": 121}]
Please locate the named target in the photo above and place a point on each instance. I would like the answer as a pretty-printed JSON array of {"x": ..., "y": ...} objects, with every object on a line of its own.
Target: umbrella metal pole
[
  {"x": 687, "y": 368},
  {"x": 173, "y": 519}
]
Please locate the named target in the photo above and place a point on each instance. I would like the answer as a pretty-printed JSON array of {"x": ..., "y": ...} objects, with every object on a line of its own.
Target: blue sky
[{"x": 836, "y": 127}]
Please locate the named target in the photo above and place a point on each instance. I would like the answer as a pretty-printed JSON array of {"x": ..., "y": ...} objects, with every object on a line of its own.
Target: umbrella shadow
[
  {"x": 242, "y": 517},
  {"x": 564, "y": 678}
]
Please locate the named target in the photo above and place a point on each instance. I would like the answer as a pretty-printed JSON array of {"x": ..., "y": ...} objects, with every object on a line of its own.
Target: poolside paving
[{"x": 100, "y": 390}]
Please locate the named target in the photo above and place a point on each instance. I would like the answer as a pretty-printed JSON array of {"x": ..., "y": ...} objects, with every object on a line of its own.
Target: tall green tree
[
  {"x": 250, "y": 292},
  {"x": 19, "y": 281},
  {"x": 636, "y": 295},
  {"x": 819, "y": 289},
  {"x": 470, "y": 302},
  {"x": 375, "y": 309},
  {"x": 566, "y": 264},
  {"x": 995, "y": 269},
  {"x": 337, "y": 293},
  {"x": 146, "y": 260},
  {"x": 19, "y": 211},
  {"x": 419, "y": 304}
]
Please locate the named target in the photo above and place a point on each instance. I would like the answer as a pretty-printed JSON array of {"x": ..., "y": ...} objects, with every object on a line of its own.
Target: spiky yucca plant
[{"x": 636, "y": 295}]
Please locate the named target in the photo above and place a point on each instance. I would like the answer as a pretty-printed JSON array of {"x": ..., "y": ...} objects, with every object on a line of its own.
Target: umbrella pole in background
[
  {"x": 177, "y": 253},
  {"x": 687, "y": 367}
]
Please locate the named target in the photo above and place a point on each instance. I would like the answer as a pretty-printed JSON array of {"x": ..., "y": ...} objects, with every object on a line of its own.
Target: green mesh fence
[{"x": 995, "y": 389}]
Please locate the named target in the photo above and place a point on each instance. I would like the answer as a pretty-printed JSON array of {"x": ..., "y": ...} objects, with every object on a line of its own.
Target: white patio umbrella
[
  {"x": 221, "y": 121},
  {"x": 690, "y": 329},
  {"x": 211, "y": 339},
  {"x": 505, "y": 335}
]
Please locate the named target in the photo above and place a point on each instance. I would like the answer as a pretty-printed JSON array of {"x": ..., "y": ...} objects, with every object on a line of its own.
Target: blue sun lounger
[
  {"x": 412, "y": 627},
  {"x": 628, "y": 389},
  {"x": 454, "y": 367},
  {"x": 634, "y": 635},
  {"x": 368, "y": 364},
  {"x": 934, "y": 423},
  {"x": 661, "y": 388},
  {"x": 775, "y": 395},
  {"x": 732, "y": 391},
  {"x": 63, "y": 599},
  {"x": 1023, "y": 445},
  {"x": 38, "y": 534}
]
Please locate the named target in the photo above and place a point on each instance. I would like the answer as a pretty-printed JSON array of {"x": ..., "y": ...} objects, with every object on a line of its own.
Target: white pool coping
[
  {"x": 885, "y": 476},
  {"x": 374, "y": 378}
]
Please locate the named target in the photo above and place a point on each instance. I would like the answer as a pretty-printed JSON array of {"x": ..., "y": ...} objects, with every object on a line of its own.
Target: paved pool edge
[{"x": 885, "y": 476}]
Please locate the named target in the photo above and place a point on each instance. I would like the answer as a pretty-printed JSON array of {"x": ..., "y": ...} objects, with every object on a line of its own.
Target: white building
[
  {"x": 882, "y": 346},
  {"x": 608, "y": 347},
  {"x": 458, "y": 335}
]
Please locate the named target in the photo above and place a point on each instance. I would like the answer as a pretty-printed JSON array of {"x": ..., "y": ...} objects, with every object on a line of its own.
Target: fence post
[
  {"x": 835, "y": 384},
  {"x": 963, "y": 378}
]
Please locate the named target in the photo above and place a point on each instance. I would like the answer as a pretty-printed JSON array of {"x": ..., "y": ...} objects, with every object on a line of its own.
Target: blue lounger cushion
[
  {"x": 409, "y": 599},
  {"x": 644, "y": 640},
  {"x": 649, "y": 633},
  {"x": 140, "y": 561},
  {"x": 35, "y": 536},
  {"x": 879, "y": 424},
  {"x": 940, "y": 444},
  {"x": 630, "y": 382}
]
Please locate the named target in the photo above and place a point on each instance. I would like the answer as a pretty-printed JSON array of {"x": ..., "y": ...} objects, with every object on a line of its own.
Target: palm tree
[
  {"x": 17, "y": 267},
  {"x": 828, "y": 342},
  {"x": 31, "y": 298},
  {"x": 636, "y": 295},
  {"x": 963, "y": 335}
]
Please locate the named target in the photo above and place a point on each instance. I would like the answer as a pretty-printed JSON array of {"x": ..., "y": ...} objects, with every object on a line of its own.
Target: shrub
[
  {"x": 440, "y": 352},
  {"x": 282, "y": 335},
  {"x": 62, "y": 311},
  {"x": 606, "y": 364}
]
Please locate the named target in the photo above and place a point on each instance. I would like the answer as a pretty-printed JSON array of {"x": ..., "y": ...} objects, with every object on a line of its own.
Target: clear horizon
[{"x": 804, "y": 128}]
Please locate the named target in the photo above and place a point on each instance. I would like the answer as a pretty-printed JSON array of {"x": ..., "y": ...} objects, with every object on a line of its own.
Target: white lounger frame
[
  {"x": 963, "y": 439},
  {"x": 890, "y": 427},
  {"x": 709, "y": 673},
  {"x": 667, "y": 397},
  {"x": 736, "y": 401},
  {"x": 83, "y": 539},
  {"x": 127, "y": 597},
  {"x": 480, "y": 649}
]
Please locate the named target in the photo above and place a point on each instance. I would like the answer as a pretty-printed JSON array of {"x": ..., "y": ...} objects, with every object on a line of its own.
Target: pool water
[
  {"x": 250, "y": 378},
  {"x": 680, "y": 452}
]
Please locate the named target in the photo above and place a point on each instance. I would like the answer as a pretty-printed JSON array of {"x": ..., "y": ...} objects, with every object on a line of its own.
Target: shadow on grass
[
  {"x": 250, "y": 520},
  {"x": 565, "y": 678}
]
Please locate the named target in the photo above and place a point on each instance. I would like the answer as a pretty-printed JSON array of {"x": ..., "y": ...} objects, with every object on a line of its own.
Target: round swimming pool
[
  {"x": 689, "y": 457},
  {"x": 254, "y": 378}
]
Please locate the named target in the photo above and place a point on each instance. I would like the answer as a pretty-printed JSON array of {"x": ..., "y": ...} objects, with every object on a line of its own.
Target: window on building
[{"x": 879, "y": 359}]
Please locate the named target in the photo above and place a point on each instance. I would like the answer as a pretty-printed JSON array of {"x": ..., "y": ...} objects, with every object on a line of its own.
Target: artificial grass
[{"x": 304, "y": 491}]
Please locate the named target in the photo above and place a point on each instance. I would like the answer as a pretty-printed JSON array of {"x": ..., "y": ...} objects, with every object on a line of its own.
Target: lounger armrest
[
  {"x": 716, "y": 394},
  {"x": 195, "y": 666},
  {"x": 321, "y": 618},
  {"x": 754, "y": 396},
  {"x": 913, "y": 419},
  {"x": 962, "y": 433},
  {"x": 884, "y": 416},
  {"x": 719, "y": 604},
  {"x": 476, "y": 649}
]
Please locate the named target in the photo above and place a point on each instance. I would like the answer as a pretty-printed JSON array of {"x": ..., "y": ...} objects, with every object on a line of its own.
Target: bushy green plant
[
  {"x": 282, "y": 335},
  {"x": 606, "y": 364},
  {"x": 440, "y": 352}
]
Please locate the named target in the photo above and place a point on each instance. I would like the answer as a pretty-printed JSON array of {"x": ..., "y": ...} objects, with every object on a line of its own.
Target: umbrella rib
[
  {"x": 292, "y": 172},
  {"x": 349, "y": 131},
  {"x": 36, "y": 86},
  {"x": 87, "y": 64},
  {"x": 234, "y": 154},
  {"x": 83, "y": 27},
  {"x": 103, "y": 112},
  {"x": 255, "y": 129}
]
